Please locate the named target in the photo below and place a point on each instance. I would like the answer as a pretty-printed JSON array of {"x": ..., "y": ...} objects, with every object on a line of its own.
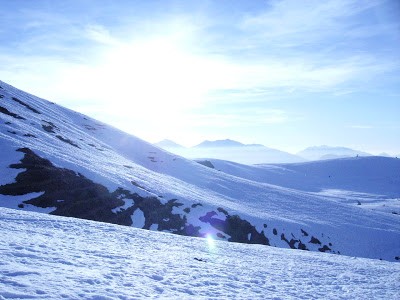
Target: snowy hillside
[
  {"x": 69, "y": 258},
  {"x": 61, "y": 162}
]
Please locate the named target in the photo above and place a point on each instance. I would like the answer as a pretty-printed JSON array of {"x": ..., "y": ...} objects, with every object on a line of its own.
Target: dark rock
[
  {"x": 239, "y": 230},
  {"x": 26, "y": 105},
  {"x": 11, "y": 114},
  {"x": 137, "y": 185},
  {"x": 206, "y": 163},
  {"x": 196, "y": 204},
  {"x": 304, "y": 232},
  {"x": 68, "y": 141},
  {"x": 49, "y": 127},
  {"x": 324, "y": 248},
  {"x": 220, "y": 209},
  {"x": 292, "y": 243},
  {"x": 82, "y": 198},
  {"x": 302, "y": 246},
  {"x": 199, "y": 259},
  {"x": 220, "y": 235},
  {"x": 274, "y": 231},
  {"x": 88, "y": 127},
  {"x": 314, "y": 241}
]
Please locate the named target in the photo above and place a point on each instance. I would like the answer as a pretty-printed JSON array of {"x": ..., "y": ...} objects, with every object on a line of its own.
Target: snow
[
  {"x": 51, "y": 257},
  {"x": 138, "y": 218},
  {"x": 286, "y": 197},
  {"x": 233, "y": 151},
  {"x": 127, "y": 203}
]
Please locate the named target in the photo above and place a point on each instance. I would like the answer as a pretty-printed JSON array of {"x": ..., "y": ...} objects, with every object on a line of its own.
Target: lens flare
[{"x": 210, "y": 241}]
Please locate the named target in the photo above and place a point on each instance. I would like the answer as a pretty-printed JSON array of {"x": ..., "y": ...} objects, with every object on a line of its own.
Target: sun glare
[
  {"x": 155, "y": 74},
  {"x": 210, "y": 242}
]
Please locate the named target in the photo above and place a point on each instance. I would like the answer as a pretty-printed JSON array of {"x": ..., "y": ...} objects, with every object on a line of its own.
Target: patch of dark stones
[
  {"x": 26, "y": 105},
  {"x": 68, "y": 141},
  {"x": 206, "y": 163},
  {"x": 292, "y": 243},
  {"x": 304, "y": 232},
  {"x": 324, "y": 248},
  {"x": 5, "y": 111},
  {"x": 238, "y": 229},
  {"x": 314, "y": 240},
  {"x": 49, "y": 127},
  {"x": 83, "y": 198},
  {"x": 89, "y": 127}
]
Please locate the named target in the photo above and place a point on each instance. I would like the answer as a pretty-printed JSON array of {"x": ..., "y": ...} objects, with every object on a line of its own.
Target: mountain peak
[
  {"x": 168, "y": 144},
  {"x": 329, "y": 152},
  {"x": 219, "y": 143}
]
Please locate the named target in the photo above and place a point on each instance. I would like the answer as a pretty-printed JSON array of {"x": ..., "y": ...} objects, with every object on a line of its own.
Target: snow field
[{"x": 50, "y": 257}]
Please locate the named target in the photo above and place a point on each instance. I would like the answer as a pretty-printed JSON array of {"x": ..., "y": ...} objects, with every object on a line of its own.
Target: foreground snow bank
[{"x": 50, "y": 257}]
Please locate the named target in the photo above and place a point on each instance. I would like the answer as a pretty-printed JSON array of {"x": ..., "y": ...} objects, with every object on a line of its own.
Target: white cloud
[{"x": 100, "y": 34}]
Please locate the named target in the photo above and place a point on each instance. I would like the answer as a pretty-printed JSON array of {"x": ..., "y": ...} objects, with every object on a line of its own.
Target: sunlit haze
[{"x": 287, "y": 74}]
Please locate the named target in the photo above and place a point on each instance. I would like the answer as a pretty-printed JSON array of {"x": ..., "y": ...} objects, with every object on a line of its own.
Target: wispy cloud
[{"x": 361, "y": 126}]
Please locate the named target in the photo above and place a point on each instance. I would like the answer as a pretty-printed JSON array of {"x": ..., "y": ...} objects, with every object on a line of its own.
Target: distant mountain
[
  {"x": 384, "y": 154},
  {"x": 219, "y": 143},
  {"x": 233, "y": 151},
  {"x": 168, "y": 144},
  {"x": 328, "y": 152}
]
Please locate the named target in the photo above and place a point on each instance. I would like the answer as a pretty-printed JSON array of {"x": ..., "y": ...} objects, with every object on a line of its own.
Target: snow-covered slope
[
  {"x": 51, "y": 257},
  {"x": 59, "y": 161}
]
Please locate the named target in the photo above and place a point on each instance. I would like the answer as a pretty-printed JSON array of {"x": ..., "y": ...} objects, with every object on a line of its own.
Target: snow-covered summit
[
  {"x": 219, "y": 143},
  {"x": 168, "y": 144},
  {"x": 233, "y": 151},
  {"x": 328, "y": 152}
]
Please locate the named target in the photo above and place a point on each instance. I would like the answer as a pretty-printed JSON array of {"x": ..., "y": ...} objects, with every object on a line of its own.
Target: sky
[{"x": 286, "y": 74}]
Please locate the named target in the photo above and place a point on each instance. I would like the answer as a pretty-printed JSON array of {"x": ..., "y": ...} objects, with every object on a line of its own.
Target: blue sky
[{"x": 287, "y": 74}]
